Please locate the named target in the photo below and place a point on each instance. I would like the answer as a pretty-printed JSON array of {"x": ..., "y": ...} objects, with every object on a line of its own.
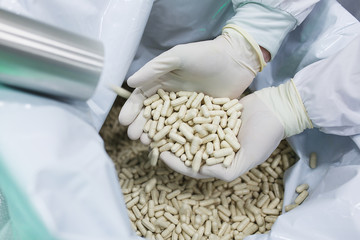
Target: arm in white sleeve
[
  {"x": 268, "y": 21},
  {"x": 330, "y": 91}
]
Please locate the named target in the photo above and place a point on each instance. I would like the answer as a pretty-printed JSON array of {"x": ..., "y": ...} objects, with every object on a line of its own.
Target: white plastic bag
[{"x": 55, "y": 176}]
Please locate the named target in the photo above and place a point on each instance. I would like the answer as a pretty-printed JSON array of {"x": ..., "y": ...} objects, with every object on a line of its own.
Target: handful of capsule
[{"x": 197, "y": 128}]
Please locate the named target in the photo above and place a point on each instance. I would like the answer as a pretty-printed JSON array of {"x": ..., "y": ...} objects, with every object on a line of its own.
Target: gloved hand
[
  {"x": 268, "y": 116},
  {"x": 223, "y": 67}
]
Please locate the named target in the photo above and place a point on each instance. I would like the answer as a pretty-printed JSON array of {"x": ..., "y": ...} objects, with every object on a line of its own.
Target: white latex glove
[
  {"x": 268, "y": 116},
  {"x": 223, "y": 67}
]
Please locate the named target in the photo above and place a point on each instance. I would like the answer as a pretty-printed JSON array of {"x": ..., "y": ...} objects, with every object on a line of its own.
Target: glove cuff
[
  {"x": 285, "y": 102},
  {"x": 268, "y": 26},
  {"x": 228, "y": 29}
]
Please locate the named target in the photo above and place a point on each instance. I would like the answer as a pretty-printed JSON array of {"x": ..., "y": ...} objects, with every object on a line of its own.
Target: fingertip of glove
[{"x": 123, "y": 119}]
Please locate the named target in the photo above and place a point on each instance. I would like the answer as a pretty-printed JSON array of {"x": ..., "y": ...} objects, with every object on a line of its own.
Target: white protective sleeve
[
  {"x": 270, "y": 21},
  {"x": 330, "y": 90}
]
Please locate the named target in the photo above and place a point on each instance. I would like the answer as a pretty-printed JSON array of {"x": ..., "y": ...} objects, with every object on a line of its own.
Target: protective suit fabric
[
  {"x": 267, "y": 25},
  {"x": 56, "y": 180},
  {"x": 332, "y": 100},
  {"x": 190, "y": 22},
  {"x": 325, "y": 48}
]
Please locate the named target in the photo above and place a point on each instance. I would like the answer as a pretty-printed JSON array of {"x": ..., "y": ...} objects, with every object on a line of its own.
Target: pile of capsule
[
  {"x": 197, "y": 128},
  {"x": 163, "y": 204}
]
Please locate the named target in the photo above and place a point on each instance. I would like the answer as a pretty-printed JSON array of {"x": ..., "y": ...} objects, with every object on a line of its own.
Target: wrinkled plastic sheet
[{"x": 57, "y": 181}]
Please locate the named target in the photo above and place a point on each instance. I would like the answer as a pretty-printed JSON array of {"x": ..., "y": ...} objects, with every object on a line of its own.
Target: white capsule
[
  {"x": 201, "y": 130},
  {"x": 170, "y": 120},
  {"x": 151, "y": 211},
  {"x": 216, "y": 143},
  {"x": 220, "y": 133},
  {"x": 232, "y": 141},
  {"x": 208, "y": 103},
  {"x": 168, "y": 230},
  {"x": 204, "y": 111},
  {"x": 270, "y": 211},
  {"x": 178, "y": 101},
  {"x": 177, "y": 138},
  {"x": 302, "y": 187},
  {"x": 175, "y": 147},
  {"x": 188, "y": 163},
  {"x": 188, "y": 154},
  {"x": 187, "y": 131},
  {"x": 209, "y": 138},
  {"x": 209, "y": 148},
  {"x": 195, "y": 145},
  {"x": 209, "y": 127},
  {"x": 229, "y": 104},
  {"x": 197, "y": 100},
  {"x": 183, "y": 157},
  {"x": 171, "y": 218},
  {"x": 190, "y": 114},
  {"x": 219, "y": 113},
  {"x": 184, "y": 93},
  {"x": 223, "y": 121},
  {"x": 163, "y": 94},
  {"x": 169, "y": 111},
  {"x": 235, "y": 108},
  {"x": 152, "y": 129},
  {"x": 220, "y": 101},
  {"x": 191, "y": 99},
  {"x": 197, "y": 161},
  {"x": 205, "y": 156},
  {"x": 182, "y": 111},
  {"x": 156, "y": 103},
  {"x": 172, "y": 95},
  {"x": 228, "y": 159},
  {"x": 147, "y": 126},
  {"x": 224, "y": 144},
  {"x": 236, "y": 129},
  {"x": 162, "y": 133},
  {"x": 148, "y": 224},
  {"x": 160, "y": 124},
  {"x": 151, "y": 99},
  {"x": 271, "y": 172},
  {"x": 313, "y": 160},
  {"x": 273, "y": 203},
  {"x": 216, "y": 107},
  {"x": 216, "y": 121},
  {"x": 166, "y": 147},
  {"x": 290, "y": 207},
  {"x": 213, "y": 161},
  {"x": 302, "y": 196},
  {"x": 179, "y": 152},
  {"x": 150, "y": 185},
  {"x": 147, "y": 112},
  {"x": 176, "y": 125},
  {"x": 157, "y": 111},
  {"x": 154, "y": 156},
  {"x": 201, "y": 120},
  {"x": 165, "y": 108},
  {"x": 231, "y": 123},
  {"x": 223, "y": 152}
]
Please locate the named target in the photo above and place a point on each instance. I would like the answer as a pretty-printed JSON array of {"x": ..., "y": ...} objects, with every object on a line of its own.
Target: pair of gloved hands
[{"x": 223, "y": 67}]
